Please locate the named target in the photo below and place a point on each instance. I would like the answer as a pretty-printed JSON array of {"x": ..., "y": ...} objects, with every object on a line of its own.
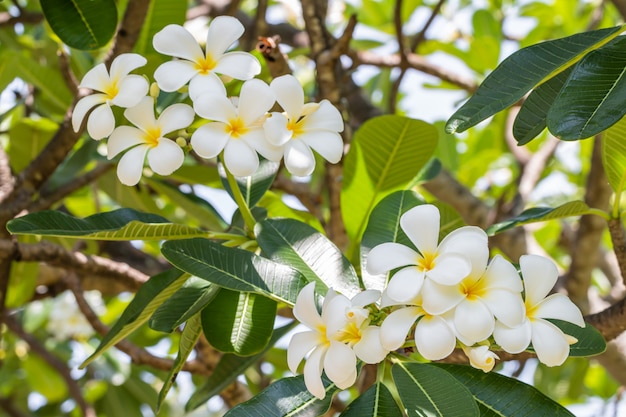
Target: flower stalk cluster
[{"x": 443, "y": 295}]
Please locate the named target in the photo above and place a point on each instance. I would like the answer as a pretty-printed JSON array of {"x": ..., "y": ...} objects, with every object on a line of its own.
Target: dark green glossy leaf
[
  {"x": 531, "y": 119},
  {"x": 235, "y": 269},
  {"x": 614, "y": 155},
  {"x": 121, "y": 224},
  {"x": 500, "y": 396},
  {"x": 426, "y": 390},
  {"x": 192, "y": 297},
  {"x": 239, "y": 322},
  {"x": 299, "y": 245},
  {"x": 253, "y": 187},
  {"x": 540, "y": 214},
  {"x": 590, "y": 341},
  {"x": 523, "y": 71},
  {"x": 82, "y": 24},
  {"x": 377, "y": 401},
  {"x": 287, "y": 397},
  {"x": 149, "y": 297},
  {"x": 229, "y": 368},
  {"x": 592, "y": 98}
]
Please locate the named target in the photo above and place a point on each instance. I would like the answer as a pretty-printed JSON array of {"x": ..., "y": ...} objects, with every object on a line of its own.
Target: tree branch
[{"x": 616, "y": 230}]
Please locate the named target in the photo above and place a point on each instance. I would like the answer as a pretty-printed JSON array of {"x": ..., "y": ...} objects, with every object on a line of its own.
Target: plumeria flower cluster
[
  {"x": 443, "y": 295},
  {"x": 238, "y": 129}
]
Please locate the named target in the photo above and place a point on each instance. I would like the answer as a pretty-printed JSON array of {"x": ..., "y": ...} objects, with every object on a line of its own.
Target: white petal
[
  {"x": 388, "y": 256},
  {"x": 326, "y": 117},
  {"x": 210, "y": 139},
  {"x": 289, "y": 94},
  {"x": 276, "y": 131},
  {"x": 238, "y": 65},
  {"x": 142, "y": 115},
  {"x": 175, "y": 40},
  {"x": 83, "y": 106},
  {"x": 450, "y": 268},
  {"x": 328, "y": 144},
  {"x": 549, "y": 343},
  {"x": 122, "y": 138},
  {"x": 131, "y": 165},
  {"x": 340, "y": 362},
  {"x": 421, "y": 225},
  {"x": 540, "y": 275},
  {"x": 334, "y": 315},
  {"x": 131, "y": 90},
  {"x": 366, "y": 297},
  {"x": 166, "y": 157},
  {"x": 473, "y": 321},
  {"x": 123, "y": 64},
  {"x": 370, "y": 349},
  {"x": 502, "y": 274},
  {"x": 255, "y": 99},
  {"x": 206, "y": 83},
  {"x": 313, "y": 372},
  {"x": 255, "y": 137},
  {"x": 437, "y": 299},
  {"x": 396, "y": 327},
  {"x": 470, "y": 241},
  {"x": 175, "y": 117},
  {"x": 434, "y": 338},
  {"x": 405, "y": 285},
  {"x": 513, "y": 339},
  {"x": 215, "y": 107},
  {"x": 96, "y": 78},
  {"x": 101, "y": 122},
  {"x": 558, "y": 306},
  {"x": 223, "y": 32},
  {"x": 506, "y": 306},
  {"x": 299, "y": 345},
  {"x": 299, "y": 159},
  {"x": 240, "y": 159},
  {"x": 172, "y": 75},
  {"x": 305, "y": 309}
]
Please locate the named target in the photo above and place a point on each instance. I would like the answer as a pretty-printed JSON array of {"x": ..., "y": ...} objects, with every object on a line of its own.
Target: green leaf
[
  {"x": 190, "y": 335},
  {"x": 149, "y": 297},
  {"x": 531, "y": 119},
  {"x": 191, "y": 298},
  {"x": 590, "y": 341},
  {"x": 160, "y": 14},
  {"x": 614, "y": 155},
  {"x": 287, "y": 397},
  {"x": 377, "y": 401},
  {"x": 239, "y": 322},
  {"x": 44, "y": 379},
  {"x": 82, "y": 24},
  {"x": 500, "y": 396},
  {"x": 254, "y": 187},
  {"x": 276, "y": 207},
  {"x": 139, "y": 197},
  {"x": 523, "y": 71},
  {"x": 426, "y": 390},
  {"x": 384, "y": 226},
  {"x": 235, "y": 269},
  {"x": 121, "y": 224},
  {"x": 229, "y": 368},
  {"x": 540, "y": 214},
  {"x": 27, "y": 138},
  {"x": 299, "y": 245},
  {"x": 592, "y": 98},
  {"x": 387, "y": 152}
]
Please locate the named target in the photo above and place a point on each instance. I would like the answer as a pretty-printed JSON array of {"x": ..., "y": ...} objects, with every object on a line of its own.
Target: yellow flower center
[
  {"x": 473, "y": 289},
  {"x": 236, "y": 128},
  {"x": 296, "y": 127},
  {"x": 530, "y": 310},
  {"x": 111, "y": 90},
  {"x": 152, "y": 136},
  {"x": 205, "y": 65},
  {"x": 427, "y": 261},
  {"x": 351, "y": 334}
]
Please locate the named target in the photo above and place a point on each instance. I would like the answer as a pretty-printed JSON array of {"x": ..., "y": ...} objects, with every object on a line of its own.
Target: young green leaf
[
  {"x": 540, "y": 214},
  {"x": 377, "y": 401},
  {"x": 427, "y": 390},
  {"x": 299, "y": 245},
  {"x": 121, "y": 224},
  {"x": 239, "y": 322},
  {"x": 235, "y": 269},
  {"x": 614, "y": 156}
]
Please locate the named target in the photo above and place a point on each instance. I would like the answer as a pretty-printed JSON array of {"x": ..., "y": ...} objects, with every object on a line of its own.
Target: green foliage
[
  {"x": 540, "y": 214},
  {"x": 377, "y": 401}
]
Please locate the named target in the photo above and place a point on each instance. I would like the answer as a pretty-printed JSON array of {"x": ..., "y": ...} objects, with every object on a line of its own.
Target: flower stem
[{"x": 241, "y": 202}]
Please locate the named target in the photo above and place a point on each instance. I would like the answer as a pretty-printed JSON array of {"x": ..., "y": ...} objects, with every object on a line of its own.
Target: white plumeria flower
[
  {"x": 479, "y": 299},
  {"x": 337, "y": 337},
  {"x": 200, "y": 68},
  {"x": 115, "y": 87},
  {"x": 66, "y": 320},
  {"x": 303, "y": 127},
  {"x": 549, "y": 342},
  {"x": 460, "y": 253},
  {"x": 237, "y": 130},
  {"x": 481, "y": 357},
  {"x": 164, "y": 155}
]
